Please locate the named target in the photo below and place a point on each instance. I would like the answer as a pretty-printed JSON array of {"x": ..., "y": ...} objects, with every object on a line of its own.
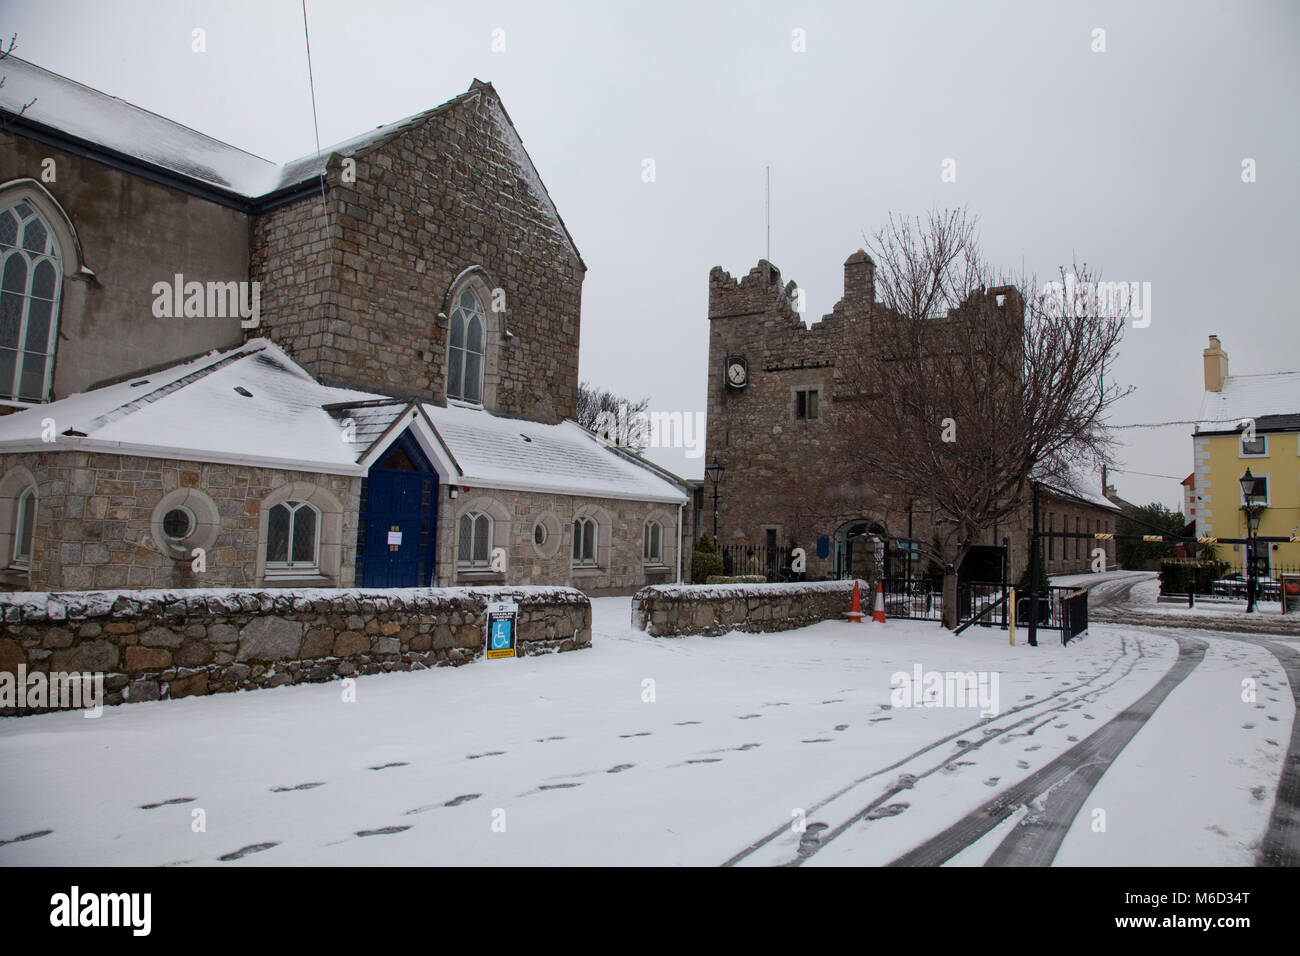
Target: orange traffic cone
[
  {"x": 854, "y": 613},
  {"x": 879, "y": 613}
]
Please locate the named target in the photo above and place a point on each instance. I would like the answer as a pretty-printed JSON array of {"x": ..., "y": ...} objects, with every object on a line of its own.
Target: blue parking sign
[{"x": 502, "y": 620}]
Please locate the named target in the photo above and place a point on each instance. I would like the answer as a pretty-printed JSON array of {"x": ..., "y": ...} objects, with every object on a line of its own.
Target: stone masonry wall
[
  {"x": 359, "y": 303},
  {"x": 620, "y": 567},
  {"x": 133, "y": 233},
  {"x": 153, "y": 645},
  {"x": 95, "y": 511},
  {"x": 676, "y": 610}
]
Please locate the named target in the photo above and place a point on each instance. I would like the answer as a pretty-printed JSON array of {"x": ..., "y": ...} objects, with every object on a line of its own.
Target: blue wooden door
[{"x": 397, "y": 528}]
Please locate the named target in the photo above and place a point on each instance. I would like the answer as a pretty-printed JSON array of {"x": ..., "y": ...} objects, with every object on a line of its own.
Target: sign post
[
  {"x": 1290, "y": 593},
  {"x": 502, "y": 630}
]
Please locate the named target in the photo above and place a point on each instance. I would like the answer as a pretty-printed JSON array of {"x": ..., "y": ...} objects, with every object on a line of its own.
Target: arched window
[
  {"x": 30, "y": 282},
  {"x": 293, "y": 537},
  {"x": 584, "y": 540},
  {"x": 474, "y": 540},
  {"x": 465, "y": 358},
  {"x": 653, "y": 548},
  {"x": 24, "y": 522}
]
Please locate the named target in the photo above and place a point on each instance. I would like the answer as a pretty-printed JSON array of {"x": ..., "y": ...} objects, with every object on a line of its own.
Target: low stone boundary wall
[
  {"x": 677, "y": 609},
  {"x": 152, "y": 645}
]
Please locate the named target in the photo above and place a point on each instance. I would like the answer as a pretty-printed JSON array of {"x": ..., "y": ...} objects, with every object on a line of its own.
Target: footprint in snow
[
  {"x": 35, "y": 834},
  {"x": 453, "y": 802},
  {"x": 963, "y": 743},
  {"x": 818, "y": 740},
  {"x": 641, "y": 733},
  {"x": 542, "y": 740},
  {"x": 1028, "y": 697},
  {"x": 841, "y": 726},
  {"x": 559, "y": 786},
  {"x": 834, "y": 700},
  {"x": 1060, "y": 726},
  {"x": 1072, "y": 739},
  {"x": 749, "y": 716},
  {"x": 1247, "y": 726},
  {"x": 992, "y": 781},
  {"x": 1258, "y": 792},
  {"x": 167, "y": 803},
  {"x": 1022, "y": 764},
  {"x": 1089, "y": 717},
  {"x": 685, "y": 723},
  {"x": 889, "y": 810},
  {"x": 620, "y": 767},
  {"x": 490, "y": 753},
  {"x": 706, "y": 760},
  {"x": 301, "y": 786},
  {"x": 381, "y": 831},
  {"x": 1271, "y": 717},
  {"x": 811, "y": 838},
  {"x": 1033, "y": 748},
  {"x": 1273, "y": 742},
  {"x": 876, "y": 720},
  {"x": 779, "y": 703},
  {"x": 246, "y": 850},
  {"x": 885, "y": 706},
  {"x": 395, "y": 763}
]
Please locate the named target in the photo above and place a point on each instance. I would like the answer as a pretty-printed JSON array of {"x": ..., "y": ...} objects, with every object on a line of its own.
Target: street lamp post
[
  {"x": 1253, "y": 505},
  {"x": 714, "y": 473}
]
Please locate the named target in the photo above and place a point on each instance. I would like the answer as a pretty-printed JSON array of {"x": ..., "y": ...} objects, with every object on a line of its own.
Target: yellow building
[{"x": 1225, "y": 447}]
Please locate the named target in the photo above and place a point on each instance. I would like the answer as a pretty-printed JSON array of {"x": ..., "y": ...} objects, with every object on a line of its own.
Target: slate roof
[
  {"x": 111, "y": 127},
  {"x": 254, "y": 405},
  {"x": 1272, "y": 399}
]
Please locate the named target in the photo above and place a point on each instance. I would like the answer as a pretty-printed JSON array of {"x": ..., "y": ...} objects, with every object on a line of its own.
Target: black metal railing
[
  {"x": 1222, "y": 579},
  {"x": 774, "y": 564},
  {"x": 918, "y": 599}
]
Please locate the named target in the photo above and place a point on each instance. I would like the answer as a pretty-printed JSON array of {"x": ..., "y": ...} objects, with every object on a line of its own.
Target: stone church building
[
  {"x": 358, "y": 369},
  {"x": 773, "y": 416}
]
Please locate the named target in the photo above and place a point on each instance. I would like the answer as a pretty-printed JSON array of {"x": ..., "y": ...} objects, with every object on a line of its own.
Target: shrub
[
  {"x": 1178, "y": 576},
  {"x": 736, "y": 579},
  {"x": 705, "y": 562}
]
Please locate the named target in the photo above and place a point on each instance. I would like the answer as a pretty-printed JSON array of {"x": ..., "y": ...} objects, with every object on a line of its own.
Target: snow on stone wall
[
  {"x": 152, "y": 645},
  {"x": 674, "y": 610}
]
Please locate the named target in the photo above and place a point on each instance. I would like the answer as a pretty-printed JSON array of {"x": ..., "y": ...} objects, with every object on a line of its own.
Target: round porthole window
[
  {"x": 178, "y": 524},
  {"x": 539, "y": 534}
]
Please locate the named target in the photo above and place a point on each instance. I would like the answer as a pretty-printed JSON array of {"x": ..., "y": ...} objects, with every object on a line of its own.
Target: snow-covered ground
[{"x": 687, "y": 751}]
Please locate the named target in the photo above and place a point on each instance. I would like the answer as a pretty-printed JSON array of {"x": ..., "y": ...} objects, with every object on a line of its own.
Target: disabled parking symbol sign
[{"x": 502, "y": 622}]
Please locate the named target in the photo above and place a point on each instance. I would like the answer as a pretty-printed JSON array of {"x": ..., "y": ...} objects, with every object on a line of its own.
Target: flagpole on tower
[{"x": 768, "y": 209}]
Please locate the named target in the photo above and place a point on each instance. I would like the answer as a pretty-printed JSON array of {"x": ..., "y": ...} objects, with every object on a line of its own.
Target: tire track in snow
[
  {"x": 1066, "y": 782},
  {"x": 906, "y": 781},
  {"x": 1280, "y": 845}
]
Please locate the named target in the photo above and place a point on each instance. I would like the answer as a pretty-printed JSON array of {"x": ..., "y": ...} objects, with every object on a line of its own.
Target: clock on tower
[{"x": 736, "y": 371}]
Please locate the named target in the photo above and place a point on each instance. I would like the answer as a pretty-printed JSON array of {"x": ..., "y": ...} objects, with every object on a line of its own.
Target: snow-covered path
[{"x": 692, "y": 751}]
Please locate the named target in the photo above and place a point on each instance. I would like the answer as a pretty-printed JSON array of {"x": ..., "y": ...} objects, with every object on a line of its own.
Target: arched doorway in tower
[{"x": 860, "y": 547}]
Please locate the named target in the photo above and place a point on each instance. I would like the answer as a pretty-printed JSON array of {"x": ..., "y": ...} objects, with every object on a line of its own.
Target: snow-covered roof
[
  {"x": 112, "y": 123},
  {"x": 1250, "y": 396},
  {"x": 494, "y": 451},
  {"x": 254, "y": 405},
  {"x": 1078, "y": 484}
]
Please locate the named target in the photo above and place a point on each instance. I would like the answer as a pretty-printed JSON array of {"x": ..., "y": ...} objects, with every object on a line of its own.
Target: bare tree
[
  {"x": 5, "y": 51},
  {"x": 612, "y": 416},
  {"x": 968, "y": 383}
]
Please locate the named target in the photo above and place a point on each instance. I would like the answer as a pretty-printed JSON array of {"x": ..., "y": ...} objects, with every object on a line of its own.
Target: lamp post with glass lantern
[
  {"x": 714, "y": 472},
  {"x": 1252, "y": 498}
]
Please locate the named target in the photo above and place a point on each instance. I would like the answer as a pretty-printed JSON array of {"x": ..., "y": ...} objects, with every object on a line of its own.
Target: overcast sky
[{"x": 1130, "y": 159}]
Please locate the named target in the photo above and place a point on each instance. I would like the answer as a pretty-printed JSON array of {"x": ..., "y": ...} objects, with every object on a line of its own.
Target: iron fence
[
  {"x": 1222, "y": 579},
  {"x": 772, "y": 563}
]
